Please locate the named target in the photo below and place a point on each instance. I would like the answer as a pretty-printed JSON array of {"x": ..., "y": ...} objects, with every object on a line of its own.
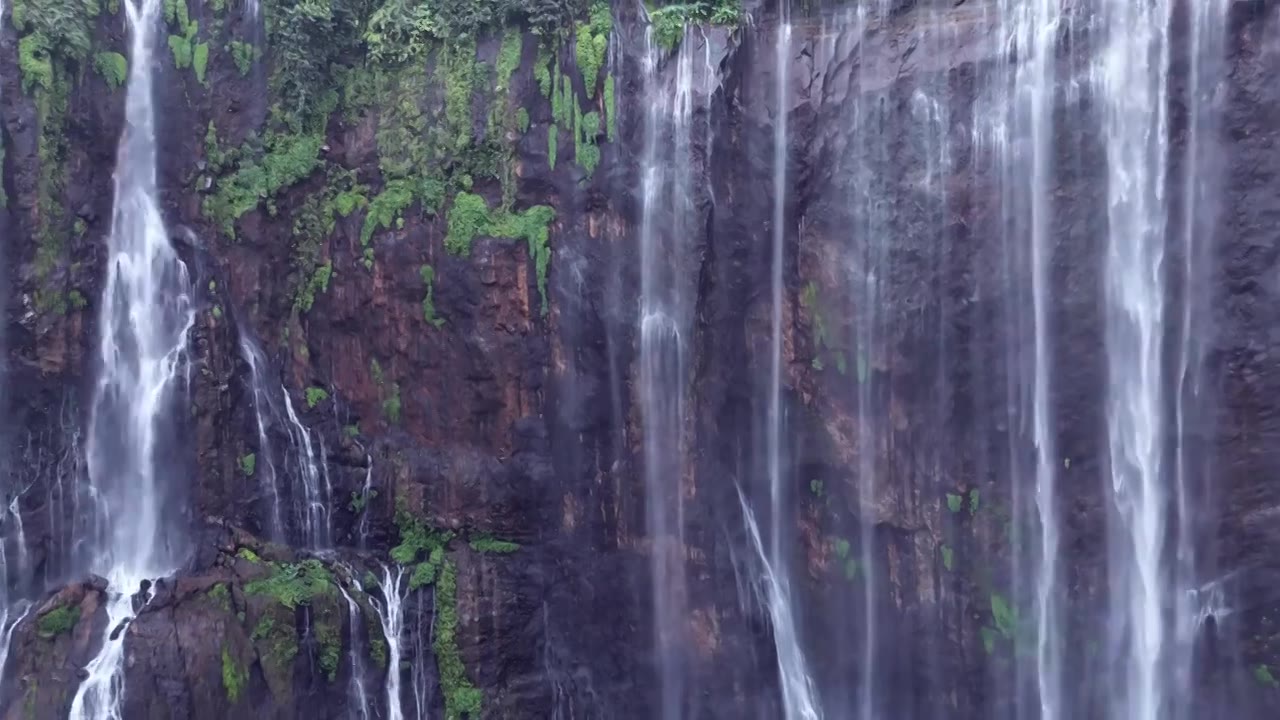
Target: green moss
[
  {"x": 416, "y": 539},
  {"x": 58, "y": 621},
  {"x": 489, "y": 544},
  {"x": 220, "y": 596},
  {"x": 316, "y": 395},
  {"x": 386, "y": 207},
  {"x": 330, "y": 640},
  {"x": 181, "y": 47},
  {"x": 610, "y": 108},
  {"x": 424, "y": 573},
  {"x": 277, "y": 647},
  {"x": 248, "y": 463},
  {"x": 244, "y": 55},
  {"x": 470, "y": 217},
  {"x": 113, "y": 67},
  {"x": 200, "y": 61},
  {"x": 522, "y": 120},
  {"x": 1263, "y": 675},
  {"x": 461, "y": 697},
  {"x": 542, "y": 73},
  {"x": 592, "y": 44},
  {"x": 317, "y": 283},
  {"x": 552, "y": 132},
  {"x": 974, "y": 501},
  {"x": 1004, "y": 616},
  {"x": 287, "y": 159},
  {"x": 954, "y": 502},
  {"x": 508, "y": 59},
  {"x": 587, "y": 152},
  {"x": 948, "y": 557},
  {"x": 360, "y": 500},
  {"x": 428, "y": 275},
  {"x": 77, "y": 300},
  {"x": 233, "y": 676},
  {"x": 377, "y": 642},
  {"x": 391, "y": 404},
  {"x": 294, "y": 584},
  {"x": 247, "y": 554},
  {"x": 351, "y": 431},
  {"x": 458, "y": 63}
]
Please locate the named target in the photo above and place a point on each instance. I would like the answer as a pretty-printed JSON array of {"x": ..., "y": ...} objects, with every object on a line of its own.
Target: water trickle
[
  {"x": 16, "y": 611},
  {"x": 667, "y": 226},
  {"x": 391, "y": 615},
  {"x": 356, "y": 693},
  {"x": 264, "y": 462},
  {"x": 146, "y": 316},
  {"x": 366, "y": 496}
]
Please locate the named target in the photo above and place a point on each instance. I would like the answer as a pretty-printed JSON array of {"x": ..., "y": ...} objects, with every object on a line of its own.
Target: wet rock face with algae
[{"x": 434, "y": 242}]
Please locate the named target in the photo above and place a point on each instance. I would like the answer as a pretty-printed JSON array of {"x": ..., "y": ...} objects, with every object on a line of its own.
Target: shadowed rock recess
[{"x": 570, "y": 360}]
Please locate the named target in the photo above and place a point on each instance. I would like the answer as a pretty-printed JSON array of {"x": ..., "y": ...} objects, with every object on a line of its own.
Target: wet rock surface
[{"x": 523, "y": 425}]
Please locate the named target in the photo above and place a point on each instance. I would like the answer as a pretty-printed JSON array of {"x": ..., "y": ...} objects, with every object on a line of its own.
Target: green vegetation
[
  {"x": 281, "y": 645},
  {"x": 815, "y": 487},
  {"x": 183, "y": 46},
  {"x": 849, "y": 564},
  {"x": 1004, "y": 616},
  {"x": 113, "y": 67},
  {"x": 77, "y": 300},
  {"x": 974, "y": 500},
  {"x": 316, "y": 395},
  {"x": 200, "y": 61},
  {"x": 592, "y": 43},
  {"x": 390, "y": 392},
  {"x": 428, "y": 275},
  {"x": 471, "y": 217},
  {"x": 313, "y": 225},
  {"x": 522, "y": 120},
  {"x": 294, "y": 584},
  {"x": 247, "y": 554},
  {"x": 220, "y": 596},
  {"x": 244, "y": 55},
  {"x": 954, "y": 502},
  {"x": 233, "y": 676},
  {"x": 1263, "y": 675},
  {"x": 489, "y": 544},
  {"x": 610, "y": 108},
  {"x": 948, "y": 557},
  {"x": 58, "y": 621},
  {"x": 669, "y": 21},
  {"x": 424, "y": 573},
  {"x": 552, "y": 137},
  {"x": 330, "y": 640},
  {"x": 248, "y": 463},
  {"x": 377, "y": 643},
  {"x": 461, "y": 697},
  {"x": 286, "y": 159},
  {"x": 351, "y": 431},
  {"x": 416, "y": 539},
  {"x": 54, "y": 40},
  {"x": 360, "y": 500}
]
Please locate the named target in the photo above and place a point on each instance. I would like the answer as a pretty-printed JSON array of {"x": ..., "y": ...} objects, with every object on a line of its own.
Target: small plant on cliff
[
  {"x": 954, "y": 502},
  {"x": 360, "y": 500},
  {"x": 58, "y": 622},
  {"x": 1263, "y": 675},
  {"x": 948, "y": 556},
  {"x": 220, "y": 596},
  {"x": 592, "y": 43},
  {"x": 428, "y": 275},
  {"x": 113, "y": 67},
  {"x": 490, "y": 544},
  {"x": 233, "y": 676},
  {"x": 245, "y": 553},
  {"x": 294, "y": 584},
  {"x": 316, "y": 395},
  {"x": 669, "y": 21},
  {"x": 461, "y": 697},
  {"x": 330, "y": 649},
  {"x": 248, "y": 463},
  {"x": 416, "y": 538},
  {"x": 974, "y": 500},
  {"x": 424, "y": 573}
]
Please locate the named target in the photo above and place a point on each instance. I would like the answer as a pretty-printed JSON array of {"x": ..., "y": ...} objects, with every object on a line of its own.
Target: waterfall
[
  {"x": 666, "y": 305},
  {"x": 366, "y": 495},
  {"x": 145, "y": 318},
  {"x": 305, "y": 473},
  {"x": 19, "y": 611},
  {"x": 1131, "y": 76},
  {"x": 355, "y": 686},
  {"x": 799, "y": 697},
  {"x": 421, "y": 677},
  {"x": 391, "y": 616}
]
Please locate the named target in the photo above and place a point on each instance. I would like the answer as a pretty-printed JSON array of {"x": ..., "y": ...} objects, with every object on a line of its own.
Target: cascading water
[
  {"x": 667, "y": 225},
  {"x": 301, "y": 513},
  {"x": 1131, "y": 77},
  {"x": 366, "y": 496},
  {"x": 146, "y": 315},
  {"x": 799, "y": 696},
  {"x": 391, "y": 616},
  {"x": 357, "y": 695}
]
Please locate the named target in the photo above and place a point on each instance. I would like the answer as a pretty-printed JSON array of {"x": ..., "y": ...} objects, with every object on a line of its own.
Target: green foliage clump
[
  {"x": 1263, "y": 675},
  {"x": 248, "y": 463},
  {"x": 244, "y": 55},
  {"x": 220, "y": 596},
  {"x": 58, "y": 621},
  {"x": 183, "y": 46},
  {"x": 312, "y": 227},
  {"x": 508, "y": 60},
  {"x": 1004, "y": 616},
  {"x": 610, "y": 108},
  {"x": 974, "y": 500},
  {"x": 461, "y": 697},
  {"x": 330, "y": 640},
  {"x": 316, "y": 395},
  {"x": 457, "y": 60},
  {"x": 317, "y": 283},
  {"x": 377, "y": 643},
  {"x": 399, "y": 31},
  {"x": 587, "y": 152},
  {"x": 522, "y": 120},
  {"x": 490, "y": 544},
  {"x": 360, "y": 500},
  {"x": 552, "y": 135},
  {"x": 542, "y": 73},
  {"x": 669, "y": 21},
  {"x": 281, "y": 643},
  {"x": 416, "y": 539},
  {"x": 954, "y": 502},
  {"x": 294, "y": 584},
  {"x": 287, "y": 159},
  {"x": 471, "y": 217},
  {"x": 948, "y": 557},
  {"x": 592, "y": 43},
  {"x": 386, "y": 207},
  {"x": 200, "y": 61},
  {"x": 113, "y": 67},
  {"x": 245, "y": 553},
  {"x": 233, "y": 676},
  {"x": 424, "y": 573},
  {"x": 428, "y": 275}
]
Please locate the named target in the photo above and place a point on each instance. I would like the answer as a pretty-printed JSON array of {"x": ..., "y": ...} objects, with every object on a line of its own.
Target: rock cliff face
[{"x": 436, "y": 259}]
